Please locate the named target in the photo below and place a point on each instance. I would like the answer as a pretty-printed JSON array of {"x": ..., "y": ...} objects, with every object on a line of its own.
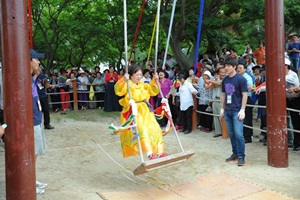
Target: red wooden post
[
  {"x": 194, "y": 114},
  {"x": 75, "y": 94},
  {"x": 276, "y": 100},
  {"x": 18, "y": 111}
]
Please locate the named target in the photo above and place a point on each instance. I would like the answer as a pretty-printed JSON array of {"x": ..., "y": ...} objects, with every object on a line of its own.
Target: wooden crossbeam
[{"x": 155, "y": 164}]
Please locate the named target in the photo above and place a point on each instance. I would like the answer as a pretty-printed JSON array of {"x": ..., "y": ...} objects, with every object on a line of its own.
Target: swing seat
[{"x": 158, "y": 163}]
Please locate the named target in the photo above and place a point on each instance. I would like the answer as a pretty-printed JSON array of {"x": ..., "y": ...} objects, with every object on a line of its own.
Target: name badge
[
  {"x": 229, "y": 99},
  {"x": 40, "y": 86},
  {"x": 39, "y": 105}
]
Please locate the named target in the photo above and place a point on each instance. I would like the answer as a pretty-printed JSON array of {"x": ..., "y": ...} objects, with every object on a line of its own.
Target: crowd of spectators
[{"x": 206, "y": 78}]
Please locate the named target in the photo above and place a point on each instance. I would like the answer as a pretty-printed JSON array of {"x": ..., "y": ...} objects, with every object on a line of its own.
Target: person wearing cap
[
  {"x": 233, "y": 105},
  {"x": 293, "y": 102},
  {"x": 260, "y": 90},
  {"x": 205, "y": 102},
  {"x": 186, "y": 92},
  {"x": 257, "y": 75},
  {"x": 293, "y": 52},
  {"x": 39, "y": 136},
  {"x": 248, "y": 132},
  {"x": 42, "y": 84}
]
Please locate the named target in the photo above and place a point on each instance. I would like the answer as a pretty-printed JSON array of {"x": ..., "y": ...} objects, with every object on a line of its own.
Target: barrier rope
[{"x": 160, "y": 185}]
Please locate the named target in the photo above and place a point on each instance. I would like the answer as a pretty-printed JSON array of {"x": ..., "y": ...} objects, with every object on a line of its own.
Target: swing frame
[
  {"x": 172, "y": 159},
  {"x": 159, "y": 163}
]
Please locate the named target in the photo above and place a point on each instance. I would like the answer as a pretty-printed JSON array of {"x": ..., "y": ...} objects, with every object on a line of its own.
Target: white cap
[
  {"x": 207, "y": 73},
  {"x": 287, "y": 61}
]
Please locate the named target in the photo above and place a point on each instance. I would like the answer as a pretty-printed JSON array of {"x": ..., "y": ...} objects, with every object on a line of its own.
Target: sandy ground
[{"x": 83, "y": 161}]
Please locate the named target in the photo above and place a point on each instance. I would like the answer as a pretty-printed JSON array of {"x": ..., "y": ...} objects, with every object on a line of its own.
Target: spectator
[
  {"x": 41, "y": 84},
  {"x": 170, "y": 61},
  {"x": 260, "y": 54},
  {"x": 100, "y": 89},
  {"x": 176, "y": 114},
  {"x": 186, "y": 92},
  {"x": 191, "y": 75},
  {"x": 248, "y": 132},
  {"x": 257, "y": 75},
  {"x": 248, "y": 50},
  {"x": 147, "y": 79},
  {"x": 39, "y": 136},
  {"x": 121, "y": 74},
  {"x": 71, "y": 89},
  {"x": 293, "y": 101},
  {"x": 82, "y": 90},
  {"x": 249, "y": 64},
  {"x": 165, "y": 86},
  {"x": 232, "y": 54},
  {"x": 205, "y": 103},
  {"x": 216, "y": 96},
  {"x": 170, "y": 72},
  {"x": 293, "y": 51},
  {"x": 233, "y": 101},
  {"x": 54, "y": 93},
  {"x": 111, "y": 100},
  {"x": 64, "y": 89},
  {"x": 261, "y": 91}
]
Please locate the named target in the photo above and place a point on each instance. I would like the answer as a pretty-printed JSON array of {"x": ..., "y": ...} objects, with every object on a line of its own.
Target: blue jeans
[
  {"x": 235, "y": 130},
  {"x": 295, "y": 63}
]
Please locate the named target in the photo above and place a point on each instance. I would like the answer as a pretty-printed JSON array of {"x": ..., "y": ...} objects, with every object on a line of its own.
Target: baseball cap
[
  {"x": 34, "y": 54},
  {"x": 287, "y": 61}
]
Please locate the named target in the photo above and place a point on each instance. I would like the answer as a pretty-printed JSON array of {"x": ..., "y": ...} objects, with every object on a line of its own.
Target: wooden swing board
[{"x": 155, "y": 164}]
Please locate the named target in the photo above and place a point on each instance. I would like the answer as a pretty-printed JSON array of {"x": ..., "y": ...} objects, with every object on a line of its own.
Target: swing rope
[
  {"x": 134, "y": 129},
  {"x": 169, "y": 33},
  {"x": 151, "y": 43},
  {"x": 198, "y": 34},
  {"x": 165, "y": 101},
  {"x": 157, "y": 36},
  {"x": 137, "y": 28}
]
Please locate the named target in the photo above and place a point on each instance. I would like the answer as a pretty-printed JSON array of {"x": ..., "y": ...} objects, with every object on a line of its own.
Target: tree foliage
[{"x": 76, "y": 32}]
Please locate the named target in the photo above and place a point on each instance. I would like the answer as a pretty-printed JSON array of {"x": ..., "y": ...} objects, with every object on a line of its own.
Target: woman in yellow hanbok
[{"x": 150, "y": 133}]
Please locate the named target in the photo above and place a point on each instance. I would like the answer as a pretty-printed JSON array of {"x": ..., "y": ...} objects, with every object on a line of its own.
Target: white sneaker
[
  {"x": 40, "y": 191},
  {"x": 40, "y": 185}
]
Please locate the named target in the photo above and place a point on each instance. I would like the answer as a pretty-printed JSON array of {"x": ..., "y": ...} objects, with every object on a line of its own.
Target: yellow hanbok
[{"x": 149, "y": 131}]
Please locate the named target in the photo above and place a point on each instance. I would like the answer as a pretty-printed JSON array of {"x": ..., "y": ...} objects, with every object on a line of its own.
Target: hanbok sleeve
[
  {"x": 121, "y": 87},
  {"x": 152, "y": 88}
]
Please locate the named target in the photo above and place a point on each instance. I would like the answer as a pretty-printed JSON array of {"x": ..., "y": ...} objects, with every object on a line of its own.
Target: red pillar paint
[
  {"x": 275, "y": 70},
  {"x": 18, "y": 113}
]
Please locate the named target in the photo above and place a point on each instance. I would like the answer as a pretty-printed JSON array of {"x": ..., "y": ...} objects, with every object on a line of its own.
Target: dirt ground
[{"x": 83, "y": 161}]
